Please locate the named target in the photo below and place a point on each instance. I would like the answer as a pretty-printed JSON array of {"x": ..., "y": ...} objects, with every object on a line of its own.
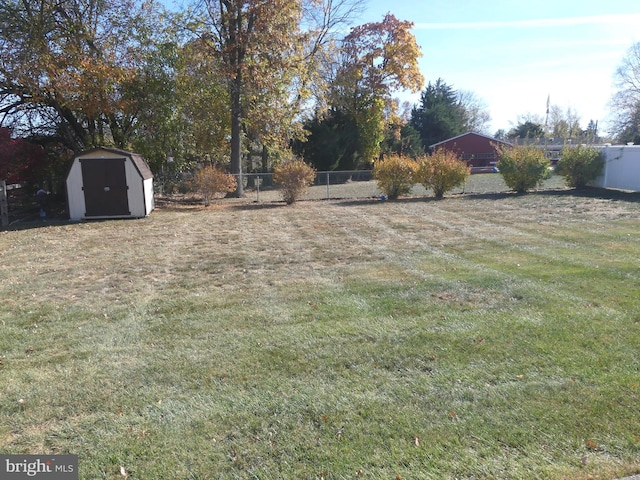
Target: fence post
[
  {"x": 328, "y": 195},
  {"x": 4, "y": 205}
]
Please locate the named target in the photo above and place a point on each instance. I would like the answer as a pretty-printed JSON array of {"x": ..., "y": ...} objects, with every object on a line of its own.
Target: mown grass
[{"x": 486, "y": 336}]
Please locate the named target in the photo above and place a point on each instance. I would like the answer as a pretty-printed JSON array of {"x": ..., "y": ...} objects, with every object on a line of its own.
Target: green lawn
[{"x": 490, "y": 337}]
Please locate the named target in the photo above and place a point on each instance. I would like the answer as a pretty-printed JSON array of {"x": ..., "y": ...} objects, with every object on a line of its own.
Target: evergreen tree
[
  {"x": 440, "y": 115},
  {"x": 527, "y": 130},
  {"x": 403, "y": 140},
  {"x": 331, "y": 142}
]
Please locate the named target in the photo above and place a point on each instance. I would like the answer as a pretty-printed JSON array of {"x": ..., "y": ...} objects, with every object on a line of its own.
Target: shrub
[
  {"x": 580, "y": 165},
  {"x": 210, "y": 181},
  {"x": 441, "y": 172},
  {"x": 523, "y": 168},
  {"x": 395, "y": 175},
  {"x": 293, "y": 177}
]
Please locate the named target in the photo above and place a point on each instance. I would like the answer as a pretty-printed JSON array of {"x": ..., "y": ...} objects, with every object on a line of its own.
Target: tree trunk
[
  {"x": 236, "y": 133},
  {"x": 265, "y": 159}
]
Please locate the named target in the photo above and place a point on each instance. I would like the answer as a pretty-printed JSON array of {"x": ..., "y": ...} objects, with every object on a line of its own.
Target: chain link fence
[{"x": 360, "y": 184}]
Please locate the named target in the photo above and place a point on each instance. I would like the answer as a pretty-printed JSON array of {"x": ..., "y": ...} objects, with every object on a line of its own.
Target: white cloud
[{"x": 608, "y": 20}]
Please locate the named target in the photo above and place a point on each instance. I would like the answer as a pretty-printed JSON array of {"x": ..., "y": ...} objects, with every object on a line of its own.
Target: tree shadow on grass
[
  {"x": 190, "y": 205},
  {"x": 259, "y": 205},
  {"x": 594, "y": 192},
  {"x": 589, "y": 192},
  {"x": 419, "y": 199}
]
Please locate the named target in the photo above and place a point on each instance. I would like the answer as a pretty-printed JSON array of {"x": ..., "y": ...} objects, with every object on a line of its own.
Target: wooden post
[{"x": 4, "y": 205}]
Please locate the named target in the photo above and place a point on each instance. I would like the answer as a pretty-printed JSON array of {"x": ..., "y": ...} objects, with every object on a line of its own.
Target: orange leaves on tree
[
  {"x": 386, "y": 55},
  {"x": 84, "y": 61}
]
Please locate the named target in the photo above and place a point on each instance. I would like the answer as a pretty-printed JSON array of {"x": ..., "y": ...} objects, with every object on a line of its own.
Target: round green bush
[
  {"x": 441, "y": 172},
  {"x": 395, "y": 175},
  {"x": 580, "y": 165},
  {"x": 523, "y": 168}
]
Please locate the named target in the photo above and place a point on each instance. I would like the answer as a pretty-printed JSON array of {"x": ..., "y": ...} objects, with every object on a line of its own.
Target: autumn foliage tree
[
  {"x": 375, "y": 60},
  {"x": 382, "y": 57},
  {"x": 266, "y": 59},
  {"x": 372, "y": 61},
  {"x": 77, "y": 69},
  {"x": 19, "y": 160}
]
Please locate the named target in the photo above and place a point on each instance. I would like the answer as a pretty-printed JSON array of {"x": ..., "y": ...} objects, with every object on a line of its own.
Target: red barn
[{"x": 478, "y": 150}]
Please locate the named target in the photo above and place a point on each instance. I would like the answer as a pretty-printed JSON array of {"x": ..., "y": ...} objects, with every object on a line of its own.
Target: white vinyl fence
[{"x": 621, "y": 168}]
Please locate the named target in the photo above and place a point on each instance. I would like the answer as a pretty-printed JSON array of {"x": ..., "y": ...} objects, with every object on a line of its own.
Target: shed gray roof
[{"x": 140, "y": 163}]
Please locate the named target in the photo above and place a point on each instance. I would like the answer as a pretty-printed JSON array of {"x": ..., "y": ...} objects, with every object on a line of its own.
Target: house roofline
[{"x": 473, "y": 133}]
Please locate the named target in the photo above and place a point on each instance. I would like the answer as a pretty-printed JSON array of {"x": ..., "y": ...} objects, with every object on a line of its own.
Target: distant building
[
  {"x": 552, "y": 147},
  {"x": 479, "y": 151}
]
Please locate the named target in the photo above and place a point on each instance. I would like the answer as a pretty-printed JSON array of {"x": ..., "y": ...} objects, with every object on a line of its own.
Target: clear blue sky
[{"x": 514, "y": 55}]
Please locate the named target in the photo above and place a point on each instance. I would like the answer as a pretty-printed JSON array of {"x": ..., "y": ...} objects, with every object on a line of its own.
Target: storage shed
[{"x": 109, "y": 183}]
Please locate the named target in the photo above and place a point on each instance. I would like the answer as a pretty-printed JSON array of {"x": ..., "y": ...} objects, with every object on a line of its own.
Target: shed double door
[{"x": 105, "y": 187}]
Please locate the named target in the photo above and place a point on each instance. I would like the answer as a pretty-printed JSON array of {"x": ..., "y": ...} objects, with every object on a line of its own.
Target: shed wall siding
[
  {"x": 148, "y": 196},
  {"x": 75, "y": 195},
  {"x": 135, "y": 193},
  {"x": 621, "y": 168}
]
